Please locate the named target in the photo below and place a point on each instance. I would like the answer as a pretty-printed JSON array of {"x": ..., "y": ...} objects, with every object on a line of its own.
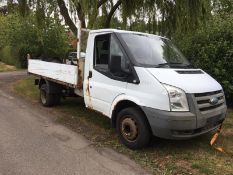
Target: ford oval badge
[{"x": 214, "y": 100}]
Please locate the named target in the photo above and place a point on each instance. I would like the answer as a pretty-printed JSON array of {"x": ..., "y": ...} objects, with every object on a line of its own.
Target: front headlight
[{"x": 178, "y": 99}]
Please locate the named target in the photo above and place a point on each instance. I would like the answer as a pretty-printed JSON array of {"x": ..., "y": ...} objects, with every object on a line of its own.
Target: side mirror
[{"x": 115, "y": 64}]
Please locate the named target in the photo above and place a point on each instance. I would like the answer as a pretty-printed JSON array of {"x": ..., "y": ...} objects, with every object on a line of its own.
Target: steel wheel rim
[{"x": 129, "y": 129}]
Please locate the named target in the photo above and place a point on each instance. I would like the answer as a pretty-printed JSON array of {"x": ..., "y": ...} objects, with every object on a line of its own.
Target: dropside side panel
[{"x": 60, "y": 72}]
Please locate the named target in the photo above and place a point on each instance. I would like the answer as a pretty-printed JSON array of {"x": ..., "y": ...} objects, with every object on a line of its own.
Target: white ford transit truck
[{"x": 142, "y": 82}]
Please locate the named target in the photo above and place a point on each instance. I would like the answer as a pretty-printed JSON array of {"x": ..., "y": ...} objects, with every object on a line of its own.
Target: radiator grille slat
[
  {"x": 204, "y": 100},
  {"x": 204, "y": 105},
  {"x": 208, "y": 97}
]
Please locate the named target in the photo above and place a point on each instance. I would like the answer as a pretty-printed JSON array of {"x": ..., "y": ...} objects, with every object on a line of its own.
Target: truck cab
[{"x": 145, "y": 85}]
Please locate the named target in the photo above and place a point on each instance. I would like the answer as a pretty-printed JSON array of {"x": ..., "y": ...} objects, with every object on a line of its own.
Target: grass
[
  {"x": 4, "y": 67},
  {"x": 27, "y": 89},
  {"x": 194, "y": 156}
]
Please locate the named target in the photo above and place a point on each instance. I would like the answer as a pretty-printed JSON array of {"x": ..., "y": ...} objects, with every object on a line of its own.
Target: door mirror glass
[
  {"x": 117, "y": 52},
  {"x": 115, "y": 64}
]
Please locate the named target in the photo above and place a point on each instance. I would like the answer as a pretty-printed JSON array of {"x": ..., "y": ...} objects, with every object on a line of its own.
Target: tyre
[
  {"x": 132, "y": 128},
  {"x": 46, "y": 98}
]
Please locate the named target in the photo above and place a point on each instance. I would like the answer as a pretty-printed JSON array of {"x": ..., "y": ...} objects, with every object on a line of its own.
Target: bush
[
  {"x": 211, "y": 48},
  {"x": 8, "y": 56},
  {"x": 22, "y": 35}
]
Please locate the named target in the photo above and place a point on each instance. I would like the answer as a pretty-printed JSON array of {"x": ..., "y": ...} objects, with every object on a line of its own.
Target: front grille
[{"x": 204, "y": 100}]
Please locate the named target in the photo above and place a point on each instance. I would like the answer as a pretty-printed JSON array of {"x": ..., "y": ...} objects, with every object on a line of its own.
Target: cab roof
[{"x": 121, "y": 31}]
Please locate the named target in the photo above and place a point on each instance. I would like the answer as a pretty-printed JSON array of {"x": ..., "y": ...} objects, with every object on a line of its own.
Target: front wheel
[{"x": 132, "y": 128}]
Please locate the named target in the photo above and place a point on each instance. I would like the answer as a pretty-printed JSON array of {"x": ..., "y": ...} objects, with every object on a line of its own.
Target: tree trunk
[
  {"x": 81, "y": 15},
  {"x": 112, "y": 11},
  {"x": 9, "y": 2},
  {"x": 10, "y": 6},
  {"x": 65, "y": 13},
  {"x": 100, "y": 3}
]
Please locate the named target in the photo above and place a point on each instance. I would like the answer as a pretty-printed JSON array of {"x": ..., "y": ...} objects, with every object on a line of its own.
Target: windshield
[{"x": 153, "y": 51}]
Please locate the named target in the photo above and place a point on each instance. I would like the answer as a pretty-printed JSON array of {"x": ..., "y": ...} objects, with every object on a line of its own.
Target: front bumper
[{"x": 184, "y": 125}]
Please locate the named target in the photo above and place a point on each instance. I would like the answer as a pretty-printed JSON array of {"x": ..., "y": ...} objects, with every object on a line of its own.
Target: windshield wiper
[{"x": 179, "y": 65}]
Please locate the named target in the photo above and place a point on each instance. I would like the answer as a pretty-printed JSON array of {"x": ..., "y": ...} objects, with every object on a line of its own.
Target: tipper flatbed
[{"x": 60, "y": 73}]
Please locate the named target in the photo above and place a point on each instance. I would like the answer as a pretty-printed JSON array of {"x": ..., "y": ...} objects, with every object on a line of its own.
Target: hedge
[{"x": 211, "y": 48}]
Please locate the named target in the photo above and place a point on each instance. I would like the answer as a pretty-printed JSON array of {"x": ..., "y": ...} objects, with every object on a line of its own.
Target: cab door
[{"x": 105, "y": 86}]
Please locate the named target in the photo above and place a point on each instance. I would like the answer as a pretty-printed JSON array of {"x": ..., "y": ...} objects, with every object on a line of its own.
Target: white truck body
[
  {"x": 59, "y": 72},
  {"x": 177, "y": 102}
]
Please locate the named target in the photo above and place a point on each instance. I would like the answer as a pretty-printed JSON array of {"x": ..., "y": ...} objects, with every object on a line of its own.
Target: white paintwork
[
  {"x": 87, "y": 68},
  {"x": 101, "y": 31},
  {"x": 61, "y": 72},
  {"x": 190, "y": 83},
  {"x": 103, "y": 94},
  {"x": 103, "y": 90},
  {"x": 149, "y": 92}
]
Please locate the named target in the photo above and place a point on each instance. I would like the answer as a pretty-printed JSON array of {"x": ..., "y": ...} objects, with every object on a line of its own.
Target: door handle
[{"x": 90, "y": 74}]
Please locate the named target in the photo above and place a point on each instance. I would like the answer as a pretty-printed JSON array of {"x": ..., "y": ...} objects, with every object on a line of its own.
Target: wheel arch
[
  {"x": 123, "y": 103},
  {"x": 53, "y": 87},
  {"x": 41, "y": 82}
]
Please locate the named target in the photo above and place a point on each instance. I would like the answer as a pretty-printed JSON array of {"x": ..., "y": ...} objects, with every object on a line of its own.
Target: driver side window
[
  {"x": 106, "y": 47},
  {"x": 101, "y": 58}
]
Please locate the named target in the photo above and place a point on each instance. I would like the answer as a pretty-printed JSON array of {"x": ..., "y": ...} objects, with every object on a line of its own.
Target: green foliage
[
  {"x": 22, "y": 35},
  {"x": 211, "y": 48},
  {"x": 166, "y": 17},
  {"x": 53, "y": 39},
  {"x": 8, "y": 56},
  {"x": 223, "y": 6},
  {"x": 5, "y": 67}
]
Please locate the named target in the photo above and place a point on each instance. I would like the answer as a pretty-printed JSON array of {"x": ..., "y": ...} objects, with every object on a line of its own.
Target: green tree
[
  {"x": 211, "y": 48},
  {"x": 165, "y": 16},
  {"x": 22, "y": 35}
]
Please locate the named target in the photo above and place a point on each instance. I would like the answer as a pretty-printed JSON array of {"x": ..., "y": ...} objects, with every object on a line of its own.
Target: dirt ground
[{"x": 32, "y": 142}]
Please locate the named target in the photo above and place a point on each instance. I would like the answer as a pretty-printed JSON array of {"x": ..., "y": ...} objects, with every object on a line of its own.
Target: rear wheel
[
  {"x": 132, "y": 128},
  {"x": 46, "y": 98}
]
